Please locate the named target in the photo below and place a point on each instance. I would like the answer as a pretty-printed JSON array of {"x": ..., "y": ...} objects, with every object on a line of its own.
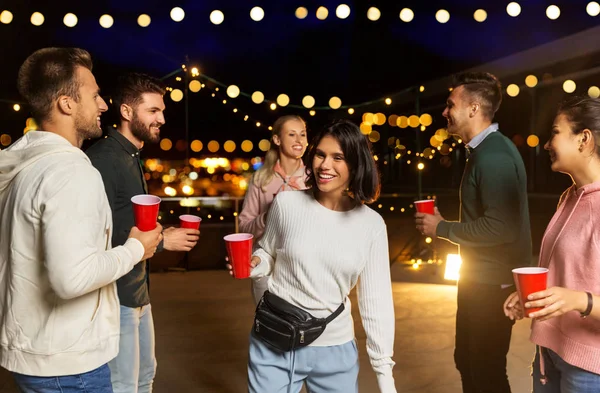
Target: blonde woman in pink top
[
  {"x": 567, "y": 330},
  {"x": 282, "y": 170}
]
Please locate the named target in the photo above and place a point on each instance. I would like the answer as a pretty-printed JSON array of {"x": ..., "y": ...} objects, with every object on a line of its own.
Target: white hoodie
[{"x": 59, "y": 310}]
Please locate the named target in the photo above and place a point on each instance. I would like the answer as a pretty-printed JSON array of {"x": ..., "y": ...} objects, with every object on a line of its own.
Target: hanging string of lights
[{"x": 342, "y": 11}]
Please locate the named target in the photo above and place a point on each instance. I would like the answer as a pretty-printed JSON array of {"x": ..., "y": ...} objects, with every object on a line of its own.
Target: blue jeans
[
  {"x": 133, "y": 369},
  {"x": 95, "y": 381},
  {"x": 561, "y": 376},
  {"x": 331, "y": 369}
]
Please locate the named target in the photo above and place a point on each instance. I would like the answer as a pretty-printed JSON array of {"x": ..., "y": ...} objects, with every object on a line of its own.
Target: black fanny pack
[{"x": 285, "y": 326}]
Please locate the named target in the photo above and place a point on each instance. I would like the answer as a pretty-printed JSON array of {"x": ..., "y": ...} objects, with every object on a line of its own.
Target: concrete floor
[{"x": 203, "y": 320}]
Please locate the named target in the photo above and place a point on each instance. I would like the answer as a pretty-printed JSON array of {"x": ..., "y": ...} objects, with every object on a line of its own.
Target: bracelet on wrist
[{"x": 590, "y": 305}]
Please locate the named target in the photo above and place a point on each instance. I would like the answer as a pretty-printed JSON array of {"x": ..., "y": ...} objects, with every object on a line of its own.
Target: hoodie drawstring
[{"x": 544, "y": 378}]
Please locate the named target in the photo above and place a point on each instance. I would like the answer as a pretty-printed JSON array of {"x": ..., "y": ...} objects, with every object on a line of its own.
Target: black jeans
[{"x": 482, "y": 337}]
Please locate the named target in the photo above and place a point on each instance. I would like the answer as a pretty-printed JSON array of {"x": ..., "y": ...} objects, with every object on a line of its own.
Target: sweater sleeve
[
  {"x": 72, "y": 220},
  {"x": 376, "y": 305},
  {"x": 267, "y": 246},
  {"x": 499, "y": 191},
  {"x": 252, "y": 220}
]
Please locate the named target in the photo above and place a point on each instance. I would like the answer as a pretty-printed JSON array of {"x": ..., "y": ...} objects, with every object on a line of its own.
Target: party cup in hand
[
  {"x": 145, "y": 211},
  {"x": 529, "y": 280},
  {"x": 425, "y": 206},
  {"x": 239, "y": 249},
  {"x": 189, "y": 221}
]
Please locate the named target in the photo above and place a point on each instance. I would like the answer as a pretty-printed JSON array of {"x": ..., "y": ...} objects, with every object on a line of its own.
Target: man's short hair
[
  {"x": 482, "y": 86},
  {"x": 132, "y": 86},
  {"x": 48, "y": 74}
]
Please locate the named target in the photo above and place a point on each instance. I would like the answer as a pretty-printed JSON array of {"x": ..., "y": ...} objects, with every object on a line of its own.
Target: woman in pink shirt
[
  {"x": 282, "y": 170},
  {"x": 567, "y": 330}
]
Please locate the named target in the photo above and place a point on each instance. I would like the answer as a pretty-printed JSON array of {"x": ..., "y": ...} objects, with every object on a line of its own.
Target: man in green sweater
[{"x": 493, "y": 233}]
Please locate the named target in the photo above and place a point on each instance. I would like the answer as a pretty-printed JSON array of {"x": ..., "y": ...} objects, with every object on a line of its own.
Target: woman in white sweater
[{"x": 317, "y": 245}]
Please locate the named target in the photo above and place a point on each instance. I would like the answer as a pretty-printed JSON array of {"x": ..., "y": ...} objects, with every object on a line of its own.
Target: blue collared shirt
[
  {"x": 476, "y": 142},
  {"x": 482, "y": 135}
]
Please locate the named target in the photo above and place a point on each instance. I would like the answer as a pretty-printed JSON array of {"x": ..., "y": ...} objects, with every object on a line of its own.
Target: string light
[
  {"x": 301, "y": 13},
  {"x": 195, "y": 86},
  {"x": 308, "y": 102},
  {"x": 217, "y": 17},
  {"x": 144, "y": 20},
  {"x": 258, "y": 97},
  {"x": 593, "y": 8},
  {"x": 373, "y": 14},
  {"x": 342, "y": 11},
  {"x": 512, "y": 90},
  {"x": 407, "y": 15},
  {"x": 533, "y": 140},
  {"x": 552, "y": 12},
  {"x": 233, "y": 91},
  {"x": 176, "y": 95},
  {"x": 335, "y": 102},
  {"x": 283, "y": 99},
  {"x": 322, "y": 13},
  {"x": 37, "y": 19},
  {"x": 480, "y": 15},
  {"x": 513, "y": 9},
  {"x": 442, "y": 16},
  {"x": 6, "y": 17},
  {"x": 531, "y": 81},
  {"x": 106, "y": 21},
  {"x": 177, "y": 14},
  {"x": 569, "y": 86},
  {"x": 257, "y": 14},
  {"x": 70, "y": 20}
]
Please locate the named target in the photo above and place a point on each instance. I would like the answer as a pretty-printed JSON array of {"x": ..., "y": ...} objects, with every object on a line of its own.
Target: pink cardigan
[
  {"x": 571, "y": 251},
  {"x": 257, "y": 202}
]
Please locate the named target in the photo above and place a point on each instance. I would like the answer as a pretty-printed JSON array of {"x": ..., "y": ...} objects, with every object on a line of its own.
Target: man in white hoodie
[{"x": 59, "y": 311}]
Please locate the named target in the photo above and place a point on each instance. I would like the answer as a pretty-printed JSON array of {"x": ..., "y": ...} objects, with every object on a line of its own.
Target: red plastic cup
[
  {"x": 529, "y": 280},
  {"x": 145, "y": 211},
  {"x": 425, "y": 206},
  {"x": 189, "y": 221},
  {"x": 239, "y": 248}
]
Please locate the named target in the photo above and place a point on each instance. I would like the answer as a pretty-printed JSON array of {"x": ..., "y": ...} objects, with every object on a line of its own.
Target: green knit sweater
[{"x": 493, "y": 234}]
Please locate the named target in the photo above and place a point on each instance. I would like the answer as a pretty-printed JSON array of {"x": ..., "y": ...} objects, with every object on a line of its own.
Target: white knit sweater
[{"x": 315, "y": 256}]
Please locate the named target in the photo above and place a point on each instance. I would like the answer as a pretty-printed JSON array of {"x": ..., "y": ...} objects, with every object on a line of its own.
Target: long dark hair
[{"x": 364, "y": 176}]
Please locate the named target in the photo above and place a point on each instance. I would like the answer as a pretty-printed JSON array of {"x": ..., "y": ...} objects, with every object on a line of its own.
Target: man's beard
[
  {"x": 143, "y": 133},
  {"x": 87, "y": 128}
]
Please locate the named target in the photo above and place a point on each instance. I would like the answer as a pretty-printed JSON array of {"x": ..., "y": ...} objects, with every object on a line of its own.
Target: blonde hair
[{"x": 265, "y": 174}]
